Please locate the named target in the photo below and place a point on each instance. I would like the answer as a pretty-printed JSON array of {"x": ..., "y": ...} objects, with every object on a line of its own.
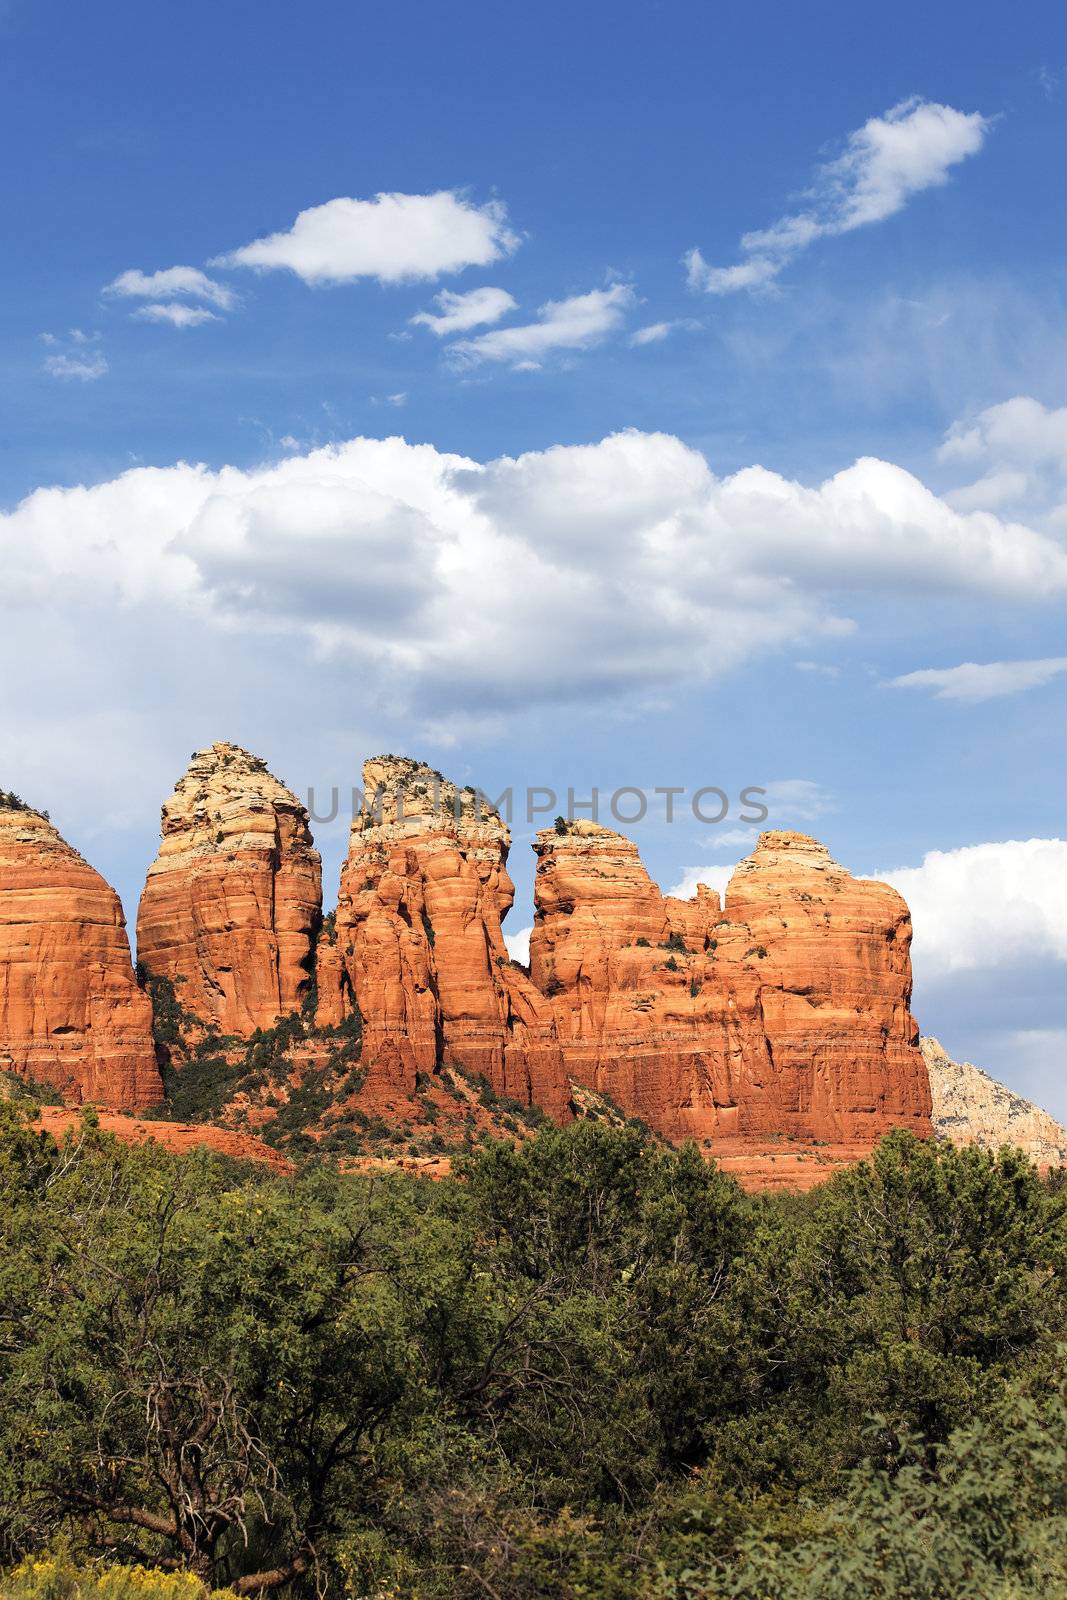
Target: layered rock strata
[
  {"x": 71, "y": 1012},
  {"x": 969, "y": 1107},
  {"x": 423, "y": 893},
  {"x": 233, "y": 902},
  {"x": 784, "y": 1014}
]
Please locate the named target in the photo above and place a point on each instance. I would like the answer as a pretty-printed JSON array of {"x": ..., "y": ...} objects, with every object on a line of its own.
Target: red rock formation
[
  {"x": 786, "y": 1014},
  {"x": 784, "y": 1017},
  {"x": 333, "y": 1002},
  {"x": 233, "y": 901},
  {"x": 423, "y": 893},
  {"x": 71, "y": 1012},
  {"x": 178, "y": 1136}
]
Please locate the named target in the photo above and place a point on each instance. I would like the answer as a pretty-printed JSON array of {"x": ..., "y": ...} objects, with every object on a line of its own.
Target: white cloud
[
  {"x": 974, "y": 682},
  {"x": 912, "y": 147},
  {"x": 715, "y": 875},
  {"x": 574, "y": 324},
  {"x": 394, "y": 237},
  {"x": 1022, "y": 445},
  {"x": 1019, "y": 430},
  {"x": 518, "y": 945},
  {"x": 656, "y": 332},
  {"x": 1019, "y": 449},
  {"x": 996, "y": 489},
  {"x": 81, "y": 365},
  {"x": 458, "y": 313},
  {"x": 178, "y": 316},
  {"x": 753, "y": 274},
  {"x": 172, "y": 283},
  {"x": 436, "y": 579},
  {"x": 986, "y": 905}
]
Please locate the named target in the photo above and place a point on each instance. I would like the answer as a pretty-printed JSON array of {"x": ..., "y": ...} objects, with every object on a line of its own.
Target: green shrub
[{"x": 587, "y": 1368}]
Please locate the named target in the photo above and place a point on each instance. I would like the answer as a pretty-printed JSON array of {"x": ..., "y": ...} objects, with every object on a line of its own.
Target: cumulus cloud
[
  {"x": 912, "y": 147},
  {"x": 394, "y": 238},
  {"x": 986, "y": 905},
  {"x": 996, "y": 489},
  {"x": 574, "y": 324},
  {"x": 714, "y": 874},
  {"x": 518, "y": 945},
  {"x": 1020, "y": 447},
  {"x": 975, "y": 682},
  {"x": 170, "y": 284},
  {"x": 1017, "y": 430},
  {"x": 457, "y": 313},
  {"x": 178, "y": 316},
  {"x": 439, "y": 579}
]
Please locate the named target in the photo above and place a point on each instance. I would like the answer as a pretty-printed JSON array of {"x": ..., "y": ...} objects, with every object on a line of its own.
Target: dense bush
[
  {"x": 588, "y": 1367},
  {"x": 49, "y": 1578}
]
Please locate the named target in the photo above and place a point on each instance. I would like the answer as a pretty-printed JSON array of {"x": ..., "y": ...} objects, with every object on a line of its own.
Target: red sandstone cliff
[
  {"x": 423, "y": 893},
  {"x": 782, "y": 1015},
  {"x": 71, "y": 1012},
  {"x": 786, "y": 1014},
  {"x": 233, "y": 902}
]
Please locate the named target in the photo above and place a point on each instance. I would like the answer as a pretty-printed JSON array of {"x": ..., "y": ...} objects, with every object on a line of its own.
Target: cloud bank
[{"x": 447, "y": 578}]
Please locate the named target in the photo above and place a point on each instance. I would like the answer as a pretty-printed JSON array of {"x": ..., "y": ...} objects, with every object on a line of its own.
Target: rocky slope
[
  {"x": 177, "y": 1136},
  {"x": 784, "y": 1014},
  {"x": 969, "y": 1107},
  {"x": 71, "y": 1012},
  {"x": 232, "y": 904}
]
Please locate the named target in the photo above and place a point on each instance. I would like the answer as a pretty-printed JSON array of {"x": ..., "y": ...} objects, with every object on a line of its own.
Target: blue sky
[{"x": 735, "y": 393}]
